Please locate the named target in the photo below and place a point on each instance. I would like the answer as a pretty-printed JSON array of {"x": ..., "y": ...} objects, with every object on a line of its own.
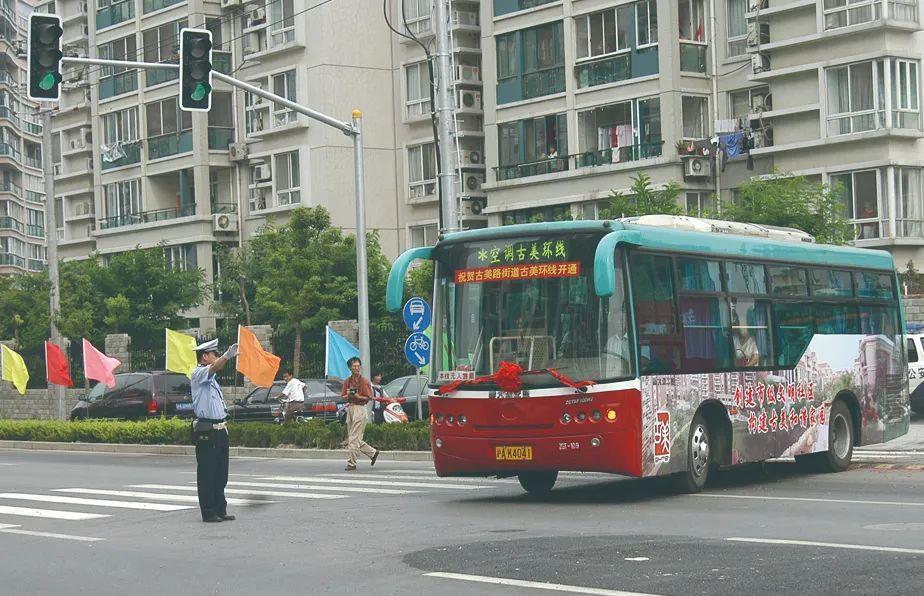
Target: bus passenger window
[
  {"x": 834, "y": 319},
  {"x": 653, "y": 293},
  {"x": 874, "y": 285},
  {"x": 750, "y": 321},
  {"x": 793, "y": 331},
  {"x": 746, "y": 278},
  {"x": 788, "y": 281},
  {"x": 705, "y": 334},
  {"x": 826, "y": 282},
  {"x": 878, "y": 320}
]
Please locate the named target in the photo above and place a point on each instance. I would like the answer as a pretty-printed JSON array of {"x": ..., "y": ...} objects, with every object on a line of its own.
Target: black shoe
[
  {"x": 375, "y": 456},
  {"x": 226, "y": 517},
  {"x": 211, "y": 518},
  {"x": 350, "y": 468}
]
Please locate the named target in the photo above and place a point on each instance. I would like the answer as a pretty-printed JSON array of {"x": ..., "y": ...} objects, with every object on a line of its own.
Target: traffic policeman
[{"x": 210, "y": 431}]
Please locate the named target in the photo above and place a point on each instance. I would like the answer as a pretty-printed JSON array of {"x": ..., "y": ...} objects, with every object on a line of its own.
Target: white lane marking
[
  {"x": 49, "y": 513},
  {"x": 6, "y": 464},
  {"x": 372, "y": 482},
  {"x": 519, "y": 583},
  {"x": 345, "y": 489},
  {"x": 810, "y": 500},
  {"x": 157, "y": 496},
  {"x": 93, "y": 502},
  {"x": 387, "y": 476},
  {"x": 874, "y": 452},
  {"x": 232, "y": 491},
  {"x": 12, "y": 529},
  {"x": 888, "y": 549}
]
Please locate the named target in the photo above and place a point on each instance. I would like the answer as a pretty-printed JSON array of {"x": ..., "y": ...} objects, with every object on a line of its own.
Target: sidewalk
[{"x": 292, "y": 453}]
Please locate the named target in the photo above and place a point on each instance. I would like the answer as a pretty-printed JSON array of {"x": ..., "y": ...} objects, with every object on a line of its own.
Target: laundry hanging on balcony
[{"x": 111, "y": 153}]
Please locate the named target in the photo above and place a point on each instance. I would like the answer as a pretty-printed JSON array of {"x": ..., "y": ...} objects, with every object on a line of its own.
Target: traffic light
[
  {"x": 195, "y": 70},
  {"x": 44, "y": 56}
]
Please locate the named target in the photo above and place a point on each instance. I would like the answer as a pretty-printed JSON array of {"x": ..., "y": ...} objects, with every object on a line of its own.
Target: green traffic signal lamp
[
  {"x": 44, "y": 57},
  {"x": 195, "y": 70}
]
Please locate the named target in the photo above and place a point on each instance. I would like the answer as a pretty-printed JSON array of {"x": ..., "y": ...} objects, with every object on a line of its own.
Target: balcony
[
  {"x": 534, "y": 168},
  {"x": 124, "y": 82},
  {"x": 220, "y": 137},
  {"x": 115, "y": 14},
  {"x": 36, "y": 265},
  {"x": 33, "y": 161},
  {"x": 502, "y": 7},
  {"x": 152, "y": 5},
  {"x": 131, "y": 219},
  {"x": 170, "y": 144},
  {"x": 13, "y": 260},
  {"x": 35, "y": 230},
  {"x": 903, "y": 10},
  {"x": 218, "y": 207},
  {"x": 7, "y": 150},
  {"x": 617, "y": 68},
  {"x": 132, "y": 155},
  {"x": 9, "y": 223},
  {"x": 11, "y": 187},
  {"x": 6, "y": 79},
  {"x": 616, "y": 155},
  {"x": 531, "y": 85},
  {"x": 35, "y": 196},
  {"x": 693, "y": 57}
]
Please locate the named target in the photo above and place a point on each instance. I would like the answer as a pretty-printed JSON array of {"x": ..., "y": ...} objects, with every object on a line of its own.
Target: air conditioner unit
[
  {"x": 760, "y": 62},
  {"x": 758, "y": 34},
  {"x": 471, "y": 158},
  {"x": 262, "y": 173},
  {"x": 86, "y": 135},
  {"x": 237, "y": 151},
  {"x": 224, "y": 222},
  {"x": 82, "y": 209},
  {"x": 230, "y": 3},
  {"x": 471, "y": 183},
  {"x": 697, "y": 166},
  {"x": 468, "y": 100},
  {"x": 474, "y": 207},
  {"x": 257, "y": 17},
  {"x": 469, "y": 73}
]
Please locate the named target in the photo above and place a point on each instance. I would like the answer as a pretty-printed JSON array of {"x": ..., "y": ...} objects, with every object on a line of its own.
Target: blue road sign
[
  {"x": 417, "y": 349},
  {"x": 417, "y": 314}
]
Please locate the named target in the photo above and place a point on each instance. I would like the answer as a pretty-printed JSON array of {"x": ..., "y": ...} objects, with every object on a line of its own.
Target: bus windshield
[{"x": 528, "y": 300}]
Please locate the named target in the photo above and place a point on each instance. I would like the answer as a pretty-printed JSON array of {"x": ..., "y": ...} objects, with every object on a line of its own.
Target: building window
[
  {"x": 425, "y": 235},
  {"x": 162, "y": 44},
  {"x": 530, "y": 63},
  {"x": 181, "y": 257},
  {"x": 604, "y": 33},
  {"x": 282, "y": 22},
  {"x": 646, "y": 17},
  {"x": 120, "y": 127},
  {"x": 700, "y": 204},
  {"x": 692, "y": 18},
  {"x": 418, "y": 90},
  {"x": 284, "y": 86},
  {"x": 164, "y": 117},
  {"x": 620, "y": 132},
  {"x": 854, "y": 105},
  {"x": 743, "y": 103},
  {"x": 421, "y": 166},
  {"x": 256, "y": 110},
  {"x": 905, "y": 94},
  {"x": 694, "y": 117},
  {"x": 532, "y": 147},
  {"x": 417, "y": 15},
  {"x": 287, "y": 179},
  {"x": 844, "y": 13},
  {"x": 910, "y": 203},
  {"x": 123, "y": 200},
  {"x": 860, "y": 192},
  {"x": 737, "y": 27},
  {"x": 537, "y": 215},
  {"x": 117, "y": 80}
]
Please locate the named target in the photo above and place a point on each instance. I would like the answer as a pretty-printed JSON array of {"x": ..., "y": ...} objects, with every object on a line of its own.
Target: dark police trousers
[{"x": 212, "y": 471}]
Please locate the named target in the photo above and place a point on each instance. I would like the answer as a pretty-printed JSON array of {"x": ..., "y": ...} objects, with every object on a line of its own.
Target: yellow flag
[
  {"x": 14, "y": 369},
  {"x": 181, "y": 354}
]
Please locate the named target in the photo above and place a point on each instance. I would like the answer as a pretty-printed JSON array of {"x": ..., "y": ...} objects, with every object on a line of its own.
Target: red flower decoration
[{"x": 507, "y": 376}]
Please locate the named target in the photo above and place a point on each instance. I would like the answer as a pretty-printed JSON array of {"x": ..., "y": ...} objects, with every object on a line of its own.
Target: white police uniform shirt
[{"x": 208, "y": 400}]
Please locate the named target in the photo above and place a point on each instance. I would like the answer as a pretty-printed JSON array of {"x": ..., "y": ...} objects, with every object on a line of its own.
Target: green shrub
[{"x": 313, "y": 434}]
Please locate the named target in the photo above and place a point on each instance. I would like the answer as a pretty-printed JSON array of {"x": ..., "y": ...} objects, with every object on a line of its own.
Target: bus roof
[{"x": 685, "y": 240}]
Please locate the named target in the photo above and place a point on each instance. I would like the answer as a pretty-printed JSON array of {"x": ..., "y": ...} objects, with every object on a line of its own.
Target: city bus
[{"x": 656, "y": 345}]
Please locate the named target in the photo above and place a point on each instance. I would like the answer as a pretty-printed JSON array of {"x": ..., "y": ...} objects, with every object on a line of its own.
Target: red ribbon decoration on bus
[{"x": 508, "y": 376}]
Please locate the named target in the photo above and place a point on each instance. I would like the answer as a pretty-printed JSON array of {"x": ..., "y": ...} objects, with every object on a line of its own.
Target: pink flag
[{"x": 98, "y": 366}]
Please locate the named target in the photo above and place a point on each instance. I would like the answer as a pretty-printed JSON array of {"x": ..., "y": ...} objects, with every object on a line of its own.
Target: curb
[{"x": 191, "y": 450}]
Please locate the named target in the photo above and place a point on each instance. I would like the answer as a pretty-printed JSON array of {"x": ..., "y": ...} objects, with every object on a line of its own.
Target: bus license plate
[{"x": 518, "y": 453}]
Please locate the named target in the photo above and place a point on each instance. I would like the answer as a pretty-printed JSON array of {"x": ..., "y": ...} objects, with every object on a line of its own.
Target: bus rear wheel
[
  {"x": 841, "y": 436},
  {"x": 693, "y": 479},
  {"x": 538, "y": 484}
]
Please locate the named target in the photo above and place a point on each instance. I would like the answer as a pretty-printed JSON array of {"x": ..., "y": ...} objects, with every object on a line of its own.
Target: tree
[
  {"x": 419, "y": 282},
  {"x": 792, "y": 202},
  {"x": 234, "y": 285},
  {"x": 644, "y": 200},
  {"x": 304, "y": 274},
  {"x": 912, "y": 279},
  {"x": 24, "y": 308}
]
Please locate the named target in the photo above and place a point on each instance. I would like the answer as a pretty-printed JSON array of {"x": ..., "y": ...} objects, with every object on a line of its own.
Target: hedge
[{"x": 313, "y": 434}]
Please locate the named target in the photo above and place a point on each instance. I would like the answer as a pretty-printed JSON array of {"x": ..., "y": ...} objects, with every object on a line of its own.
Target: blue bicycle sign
[
  {"x": 417, "y": 349},
  {"x": 417, "y": 314}
]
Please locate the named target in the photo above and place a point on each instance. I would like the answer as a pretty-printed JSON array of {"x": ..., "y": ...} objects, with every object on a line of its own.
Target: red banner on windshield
[{"x": 518, "y": 272}]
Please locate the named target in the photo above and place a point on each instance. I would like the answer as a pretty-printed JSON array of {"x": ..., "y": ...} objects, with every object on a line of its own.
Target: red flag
[{"x": 57, "y": 367}]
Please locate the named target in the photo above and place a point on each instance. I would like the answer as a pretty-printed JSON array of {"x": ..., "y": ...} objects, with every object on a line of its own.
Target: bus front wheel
[
  {"x": 693, "y": 479},
  {"x": 538, "y": 484}
]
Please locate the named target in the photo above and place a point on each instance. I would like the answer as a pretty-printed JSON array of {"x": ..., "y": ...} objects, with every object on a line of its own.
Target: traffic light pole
[
  {"x": 51, "y": 250},
  {"x": 351, "y": 129}
]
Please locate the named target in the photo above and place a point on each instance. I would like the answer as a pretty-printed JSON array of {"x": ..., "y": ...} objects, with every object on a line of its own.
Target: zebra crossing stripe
[
  {"x": 232, "y": 491},
  {"x": 158, "y": 496},
  {"x": 49, "y": 513},
  {"x": 321, "y": 479},
  {"x": 93, "y": 502},
  {"x": 328, "y": 487},
  {"x": 13, "y": 529},
  {"x": 388, "y": 476}
]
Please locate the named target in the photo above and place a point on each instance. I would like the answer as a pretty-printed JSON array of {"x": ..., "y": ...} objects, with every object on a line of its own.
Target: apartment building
[
  {"x": 22, "y": 194},
  {"x": 581, "y": 95}
]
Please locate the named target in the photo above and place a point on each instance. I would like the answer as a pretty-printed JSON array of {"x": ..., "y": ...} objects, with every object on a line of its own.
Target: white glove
[{"x": 231, "y": 353}]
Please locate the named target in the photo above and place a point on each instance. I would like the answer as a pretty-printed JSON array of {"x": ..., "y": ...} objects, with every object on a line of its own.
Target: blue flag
[{"x": 339, "y": 350}]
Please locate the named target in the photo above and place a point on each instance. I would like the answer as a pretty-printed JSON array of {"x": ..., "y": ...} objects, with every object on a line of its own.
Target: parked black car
[
  {"x": 137, "y": 396},
  {"x": 322, "y": 400},
  {"x": 410, "y": 388}
]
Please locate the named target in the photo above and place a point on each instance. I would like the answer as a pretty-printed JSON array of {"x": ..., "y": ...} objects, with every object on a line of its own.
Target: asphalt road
[{"x": 304, "y": 526}]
